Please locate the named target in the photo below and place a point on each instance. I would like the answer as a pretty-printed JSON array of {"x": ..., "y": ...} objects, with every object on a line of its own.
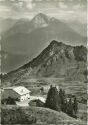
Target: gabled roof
[{"x": 21, "y": 90}]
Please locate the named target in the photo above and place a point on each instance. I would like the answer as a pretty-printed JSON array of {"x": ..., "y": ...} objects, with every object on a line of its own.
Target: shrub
[{"x": 9, "y": 101}]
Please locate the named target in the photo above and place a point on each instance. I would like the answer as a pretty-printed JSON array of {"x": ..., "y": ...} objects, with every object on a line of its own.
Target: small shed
[
  {"x": 16, "y": 92},
  {"x": 37, "y": 101}
]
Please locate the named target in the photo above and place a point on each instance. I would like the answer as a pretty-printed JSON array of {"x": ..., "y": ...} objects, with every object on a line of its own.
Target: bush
[{"x": 9, "y": 101}]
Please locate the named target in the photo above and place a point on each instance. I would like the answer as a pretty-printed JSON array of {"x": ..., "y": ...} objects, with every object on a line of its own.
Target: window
[{"x": 22, "y": 98}]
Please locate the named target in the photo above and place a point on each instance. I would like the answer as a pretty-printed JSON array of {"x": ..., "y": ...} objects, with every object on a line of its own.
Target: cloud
[
  {"x": 78, "y": 6},
  {"x": 38, "y": 0},
  {"x": 27, "y": 4},
  {"x": 30, "y": 4},
  {"x": 18, "y": 5},
  {"x": 62, "y": 5},
  {"x": 4, "y": 8},
  {"x": 61, "y": 9},
  {"x": 4, "y": 11}
]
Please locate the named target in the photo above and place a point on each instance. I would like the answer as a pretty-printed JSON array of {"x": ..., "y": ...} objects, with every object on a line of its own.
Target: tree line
[{"x": 59, "y": 102}]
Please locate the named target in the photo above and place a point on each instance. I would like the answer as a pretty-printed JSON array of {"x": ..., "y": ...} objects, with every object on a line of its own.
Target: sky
[{"x": 69, "y": 10}]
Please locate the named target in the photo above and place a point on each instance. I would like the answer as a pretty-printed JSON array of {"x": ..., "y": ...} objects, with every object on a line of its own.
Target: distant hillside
[
  {"x": 43, "y": 116},
  {"x": 57, "y": 60},
  {"x": 11, "y": 61},
  {"x": 79, "y": 27}
]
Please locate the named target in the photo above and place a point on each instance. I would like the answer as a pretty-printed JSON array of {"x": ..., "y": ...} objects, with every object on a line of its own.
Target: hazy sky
[{"x": 70, "y": 10}]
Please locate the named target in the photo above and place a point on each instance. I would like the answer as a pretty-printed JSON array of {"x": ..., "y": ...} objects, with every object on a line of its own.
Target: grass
[
  {"x": 82, "y": 112},
  {"x": 43, "y": 116},
  {"x": 47, "y": 116}
]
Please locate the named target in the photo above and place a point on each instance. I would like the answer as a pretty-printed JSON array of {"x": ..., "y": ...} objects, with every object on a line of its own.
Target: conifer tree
[
  {"x": 70, "y": 108},
  {"x": 65, "y": 106},
  {"x": 62, "y": 97},
  {"x": 52, "y": 99},
  {"x": 75, "y": 106}
]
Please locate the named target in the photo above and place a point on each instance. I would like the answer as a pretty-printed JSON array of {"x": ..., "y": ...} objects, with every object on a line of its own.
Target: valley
[{"x": 40, "y": 53}]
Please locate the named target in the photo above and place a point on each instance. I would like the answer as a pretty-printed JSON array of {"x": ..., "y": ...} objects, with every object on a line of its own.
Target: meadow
[
  {"x": 79, "y": 89},
  {"x": 36, "y": 116}
]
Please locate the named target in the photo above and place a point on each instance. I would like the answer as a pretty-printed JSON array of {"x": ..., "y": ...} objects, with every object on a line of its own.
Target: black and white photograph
[{"x": 43, "y": 62}]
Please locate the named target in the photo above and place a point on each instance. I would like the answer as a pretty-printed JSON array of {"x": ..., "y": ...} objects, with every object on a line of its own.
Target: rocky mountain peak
[
  {"x": 40, "y": 20},
  {"x": 54, "y": 42},
  {"x": 56, "y": 46},
  {"x": 56, "y": 60}
]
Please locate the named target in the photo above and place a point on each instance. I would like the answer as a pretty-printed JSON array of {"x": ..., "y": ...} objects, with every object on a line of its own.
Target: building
[
  {"x": 37, "y": 101},
  {"x": 17, "y": 92}
]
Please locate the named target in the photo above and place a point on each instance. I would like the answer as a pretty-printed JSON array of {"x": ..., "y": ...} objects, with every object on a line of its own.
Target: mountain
[
  {"x": 40, "y": 20},
  {"x": 26, "y": 25},
  {"x": 78, "y": 27},
  {"x": 11, "y": 61},
  {"x": 40, "y": 28},
  {"x": 6, "y": 24},
  {"x": 57, "y": 60},
  {"x": 29, "y": 37}
]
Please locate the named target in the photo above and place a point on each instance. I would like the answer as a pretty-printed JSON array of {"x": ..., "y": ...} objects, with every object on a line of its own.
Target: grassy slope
[{"x": 43, "y": 116}]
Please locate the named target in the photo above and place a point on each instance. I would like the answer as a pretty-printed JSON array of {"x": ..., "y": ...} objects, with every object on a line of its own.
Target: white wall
[{"x": 25, "y": 97}]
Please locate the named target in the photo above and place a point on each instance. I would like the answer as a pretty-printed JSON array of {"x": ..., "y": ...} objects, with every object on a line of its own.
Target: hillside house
[
  {"x": 16, "y": 92},
  {"x": 37, "y": 101}
]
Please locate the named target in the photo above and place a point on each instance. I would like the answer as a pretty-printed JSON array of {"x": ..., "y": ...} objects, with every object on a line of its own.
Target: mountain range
[
  {"x": 31, "y": 37},
  {"x": 58, "y": 60}
]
